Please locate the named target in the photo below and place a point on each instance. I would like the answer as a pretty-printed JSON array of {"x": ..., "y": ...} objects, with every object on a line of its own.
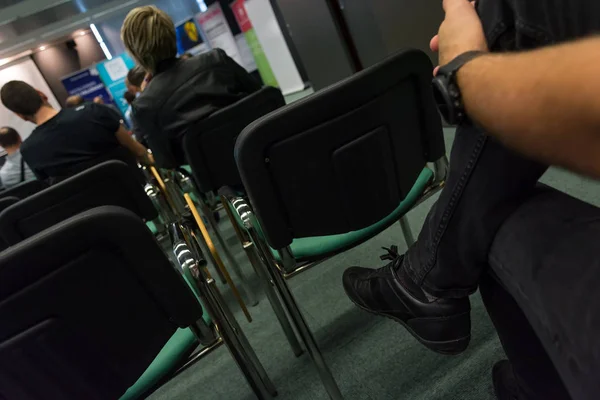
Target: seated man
[
  {"x": 14, "y": 170},
  {"x": 68, "y": 141},
  {"x": 181, "y": 92},
  {"x": 541, "y": 247}
]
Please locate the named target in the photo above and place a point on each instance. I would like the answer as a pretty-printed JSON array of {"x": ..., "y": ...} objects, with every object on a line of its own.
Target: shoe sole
[{"x": 447, "y": 347}]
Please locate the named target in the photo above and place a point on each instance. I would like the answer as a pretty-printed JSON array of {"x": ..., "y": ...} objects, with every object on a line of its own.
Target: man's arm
[
  {"x": 136, "y": 148},
  {"x": 544, "y": 103}
]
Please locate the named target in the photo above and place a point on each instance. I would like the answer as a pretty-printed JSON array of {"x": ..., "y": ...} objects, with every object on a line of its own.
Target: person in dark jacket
[{"x": 180, "y": 92}]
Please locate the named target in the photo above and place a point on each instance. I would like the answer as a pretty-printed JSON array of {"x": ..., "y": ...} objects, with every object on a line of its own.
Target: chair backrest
[
  {"x": 24, "y": 190},
  {"x": 6, "y": 202},
  {"x": 85, "y": 308},
  {"x": 120, "y": 153},
  {"x": 110, "y": 183},
  {"x": 344, "y": 157},
  {"x": 209, "y": 145}
]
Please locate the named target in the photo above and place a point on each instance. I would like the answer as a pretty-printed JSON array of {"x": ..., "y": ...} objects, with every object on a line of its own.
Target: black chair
[
  {"x": 209, "y": 149},
  {"x": 110, "y": 183},
  {"x": 333, "y": 170},
  {"x": 209, "y": 145},
  {"x": 6, "y": 202},
  {"x": 23, "y": 190},
  {"x": 92, "y": 309}
]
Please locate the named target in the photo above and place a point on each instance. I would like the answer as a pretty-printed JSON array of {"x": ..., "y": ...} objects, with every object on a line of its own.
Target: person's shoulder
[{"x": 210, "y": 58}]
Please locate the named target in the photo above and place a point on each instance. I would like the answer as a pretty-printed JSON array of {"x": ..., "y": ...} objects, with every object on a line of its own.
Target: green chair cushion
[
  {"x": 318, "y": 246},
  {"x": 171, "y": 356},
  {"x": 152, "y": 226},
  {"x": 181, "y": 344}
]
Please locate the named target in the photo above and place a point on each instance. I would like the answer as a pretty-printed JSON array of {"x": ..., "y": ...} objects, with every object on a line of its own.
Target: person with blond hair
[{"x": 179, "y": 92}]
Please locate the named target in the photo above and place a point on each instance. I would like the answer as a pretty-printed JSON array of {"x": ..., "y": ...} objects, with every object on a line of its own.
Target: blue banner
[
  {"x": 188, "y": 36},
  {"x": 113, "y": 74},
  {"x": 87, "y": 84}
]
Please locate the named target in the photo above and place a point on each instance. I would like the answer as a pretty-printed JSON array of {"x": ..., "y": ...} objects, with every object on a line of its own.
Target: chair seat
[
  {"x": 152, "y": 226},
  {"x": 315, "y": 247},
  {"x": 172, "y": 355},
  {"x": 319, "y": 246}
]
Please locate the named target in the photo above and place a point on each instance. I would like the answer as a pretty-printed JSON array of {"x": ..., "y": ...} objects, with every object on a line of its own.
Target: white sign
[
  {"x": 215, "y": 26},
  {"x": 116, "y": 68},
  {"x": 273, "y": 43}
]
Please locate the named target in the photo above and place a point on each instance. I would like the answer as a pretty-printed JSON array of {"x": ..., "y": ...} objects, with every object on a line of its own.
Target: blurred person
[
  {"x": 178, "y": 92},
  {"x": 14, "y": 170},
  {"x": 68, "y": 141},
  {"x": 135, "y": 78},
  {"x": 98, "y": 100},
  {"x": 129, "y": 98},
  {"x": 74, "y": 101}
]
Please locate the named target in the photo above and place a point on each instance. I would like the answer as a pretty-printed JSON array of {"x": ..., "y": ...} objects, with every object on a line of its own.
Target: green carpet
[{"x": 371, "y": 358}]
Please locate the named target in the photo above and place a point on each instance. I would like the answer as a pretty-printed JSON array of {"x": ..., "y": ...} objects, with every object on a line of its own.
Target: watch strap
[{"x": 453, "y": 66}]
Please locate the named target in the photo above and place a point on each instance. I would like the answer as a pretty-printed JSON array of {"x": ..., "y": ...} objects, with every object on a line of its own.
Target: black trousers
[
  {"x": 487, "y": 184},
  {"x": 544, "y": 300}
]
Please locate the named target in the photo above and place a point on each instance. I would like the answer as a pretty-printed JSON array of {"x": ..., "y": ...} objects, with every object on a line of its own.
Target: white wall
[{"x": 23, "y": 70}]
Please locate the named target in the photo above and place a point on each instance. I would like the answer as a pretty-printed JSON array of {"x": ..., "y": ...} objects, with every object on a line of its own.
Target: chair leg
[
  {"x": 274, "y": 300},
  {"x": 300, "y": 323},
  {"x": 233, "y": 336},
  {"x": 240, "y": 339},
  {"x": 214, "y": 256},
  {"x": 408, "y": 235},
  {"x": 255, "y": 261},
  {"x": 237, "y": 271}
]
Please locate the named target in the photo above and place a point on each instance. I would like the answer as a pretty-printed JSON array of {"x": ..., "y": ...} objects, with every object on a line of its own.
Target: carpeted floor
[{"x": 371, "y": 358}]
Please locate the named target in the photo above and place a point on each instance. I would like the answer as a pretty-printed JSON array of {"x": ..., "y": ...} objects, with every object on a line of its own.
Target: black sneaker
[
  {"x": 505, "y": 383},
  {"x": 442, "y": 325}
]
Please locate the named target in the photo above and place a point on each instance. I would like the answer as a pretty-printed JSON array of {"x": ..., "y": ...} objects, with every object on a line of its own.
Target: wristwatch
[{"x": 446, "y": 90}]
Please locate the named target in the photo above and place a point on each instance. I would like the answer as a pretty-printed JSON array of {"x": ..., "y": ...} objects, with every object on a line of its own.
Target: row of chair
[
  {"x": 84, "y": 282},
  {"x": 300, "y": 183},
  {"x": 304, "y": 182}
]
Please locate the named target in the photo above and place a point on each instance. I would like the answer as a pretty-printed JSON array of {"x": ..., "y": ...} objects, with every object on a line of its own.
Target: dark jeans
[
  {"x": 486, "y": 182},
  {"x": 545, "y": 256}
]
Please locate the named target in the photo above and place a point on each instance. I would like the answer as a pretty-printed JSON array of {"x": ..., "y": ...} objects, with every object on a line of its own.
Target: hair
[
  {"x": 9, "y": 137},
  {"x": 74, "y": 101},
  {"x": 130, "y": 97},
  {"x": 136, "y": 76},
  {"x": 21, "y": 98},
  {"x": 149, "y": 36}
]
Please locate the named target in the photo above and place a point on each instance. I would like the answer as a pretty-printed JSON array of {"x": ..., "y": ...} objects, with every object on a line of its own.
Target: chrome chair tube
[
  {"x": 164, "y": 212},
  {"x": 406, "y": 231},
  {"x": 440, "y": 169},
  {"x": 225, "y": 324},
  {"x": 266, "y": 282},
  {"x": 178, "y": 202},
  {"x": 235, "y": 267},
  {"x": 300, "y": 323}
]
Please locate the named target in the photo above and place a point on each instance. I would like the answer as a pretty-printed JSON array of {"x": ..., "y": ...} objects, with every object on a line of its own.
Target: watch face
[{"x": 442, "y": 98}]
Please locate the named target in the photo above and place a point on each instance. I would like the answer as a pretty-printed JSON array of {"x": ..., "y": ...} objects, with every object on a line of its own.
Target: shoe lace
[{"x": 393, "y": 256}]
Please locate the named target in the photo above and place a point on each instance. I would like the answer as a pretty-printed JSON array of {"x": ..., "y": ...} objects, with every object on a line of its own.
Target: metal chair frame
[
  {"x": 275, "y": 273},
  {"x": 174, "y": 209}
]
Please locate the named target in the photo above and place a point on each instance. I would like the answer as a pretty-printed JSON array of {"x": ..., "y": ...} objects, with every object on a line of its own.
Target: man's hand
[{"x": 460, "y": 32}]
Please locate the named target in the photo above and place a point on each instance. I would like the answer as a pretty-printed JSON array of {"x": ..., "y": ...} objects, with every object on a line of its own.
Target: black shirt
[
  {"x": 182, "y": 93},
  {"x": 75, "y": 137}
]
